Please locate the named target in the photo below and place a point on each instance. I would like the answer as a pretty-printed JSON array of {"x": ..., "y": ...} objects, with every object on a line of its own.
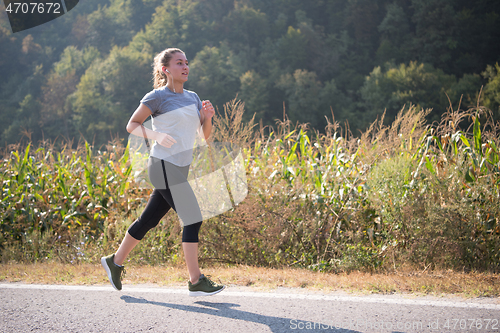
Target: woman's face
[{"x": 178, "y": 67}]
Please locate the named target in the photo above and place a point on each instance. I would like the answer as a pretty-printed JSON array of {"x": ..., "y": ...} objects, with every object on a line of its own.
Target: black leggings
[{"x": 161, "y": 200}]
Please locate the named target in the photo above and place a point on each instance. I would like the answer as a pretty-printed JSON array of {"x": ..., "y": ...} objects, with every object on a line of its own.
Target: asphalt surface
[{"x": 55, "y": 308}]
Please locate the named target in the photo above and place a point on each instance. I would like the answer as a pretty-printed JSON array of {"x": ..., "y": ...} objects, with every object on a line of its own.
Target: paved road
[{"x": 45, "y": 308}]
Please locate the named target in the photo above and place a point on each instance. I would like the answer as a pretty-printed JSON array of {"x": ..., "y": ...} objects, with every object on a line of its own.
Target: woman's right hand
[{"x": 165, "y": 140}]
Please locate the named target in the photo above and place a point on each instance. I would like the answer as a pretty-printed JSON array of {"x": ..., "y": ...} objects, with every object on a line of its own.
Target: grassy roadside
[{"x": 409, "y": 281}]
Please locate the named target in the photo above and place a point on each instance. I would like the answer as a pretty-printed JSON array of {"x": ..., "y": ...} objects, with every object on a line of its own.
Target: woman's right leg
[
  {"x": 155, "y": 209},
  {"x": 125, "y": 248}
]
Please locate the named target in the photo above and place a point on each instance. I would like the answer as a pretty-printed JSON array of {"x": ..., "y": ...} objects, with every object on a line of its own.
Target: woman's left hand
[{"x": 208, "y": 109}]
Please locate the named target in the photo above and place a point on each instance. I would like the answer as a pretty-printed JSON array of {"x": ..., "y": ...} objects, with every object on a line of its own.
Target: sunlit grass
[{"x": 437, "y": 283}]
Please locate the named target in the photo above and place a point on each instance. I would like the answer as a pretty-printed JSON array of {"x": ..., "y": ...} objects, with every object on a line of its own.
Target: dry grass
[{"x": 419, "y": 283}]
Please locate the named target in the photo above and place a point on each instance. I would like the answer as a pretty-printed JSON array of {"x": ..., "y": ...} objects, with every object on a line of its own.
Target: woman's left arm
[{"x": 207, "y": 112}]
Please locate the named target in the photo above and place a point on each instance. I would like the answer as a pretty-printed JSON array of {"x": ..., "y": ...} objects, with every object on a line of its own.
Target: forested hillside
[{"x": 84, "y": 73}]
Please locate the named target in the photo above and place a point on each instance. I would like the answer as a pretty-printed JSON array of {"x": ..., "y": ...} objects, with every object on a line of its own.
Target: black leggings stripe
[{"x": 159, "y": 204}]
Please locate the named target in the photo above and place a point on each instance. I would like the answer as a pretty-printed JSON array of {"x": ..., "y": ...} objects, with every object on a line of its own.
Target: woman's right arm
[{"x": 135, "y": 127}]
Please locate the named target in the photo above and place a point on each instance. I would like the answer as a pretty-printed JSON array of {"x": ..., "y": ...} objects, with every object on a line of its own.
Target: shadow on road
[{"x": 227, "y": 310}]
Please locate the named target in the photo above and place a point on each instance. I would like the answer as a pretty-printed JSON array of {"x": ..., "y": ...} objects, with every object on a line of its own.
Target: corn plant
[
  {"x": 408, "y": 193},
  {"x": 60, "y": 192}
]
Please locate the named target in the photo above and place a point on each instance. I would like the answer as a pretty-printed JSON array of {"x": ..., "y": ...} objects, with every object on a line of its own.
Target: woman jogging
[{"x": 177, "y": 117}]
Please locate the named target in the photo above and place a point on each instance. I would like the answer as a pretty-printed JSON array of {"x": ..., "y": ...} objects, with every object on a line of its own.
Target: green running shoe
[
  {"x": 204, "y": 287},
  {"x": 115, "y": 272}
]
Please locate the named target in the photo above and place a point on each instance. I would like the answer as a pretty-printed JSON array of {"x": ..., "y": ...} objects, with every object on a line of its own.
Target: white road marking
[{"x": 183, "y": 291}]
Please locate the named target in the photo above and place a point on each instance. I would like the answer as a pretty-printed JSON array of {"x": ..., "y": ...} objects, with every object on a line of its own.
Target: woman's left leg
[
  {"x": 191, "y": 257},
  {"x": 199, "y": 285},
  {"x": 183, "y": 200},
  {"x": 190, "y": 248},
  {"x": 186, "y": 205}
]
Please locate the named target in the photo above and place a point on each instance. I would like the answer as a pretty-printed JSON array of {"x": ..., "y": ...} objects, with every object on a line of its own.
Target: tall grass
[{"x": 405, "y": 194}]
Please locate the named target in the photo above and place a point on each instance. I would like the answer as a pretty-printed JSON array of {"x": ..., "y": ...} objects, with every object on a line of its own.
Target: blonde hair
[{"x": 162, "y": 59}]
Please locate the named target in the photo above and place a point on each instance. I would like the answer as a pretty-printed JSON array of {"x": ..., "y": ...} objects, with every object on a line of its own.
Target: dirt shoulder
[{"x": 419, "y": 283}]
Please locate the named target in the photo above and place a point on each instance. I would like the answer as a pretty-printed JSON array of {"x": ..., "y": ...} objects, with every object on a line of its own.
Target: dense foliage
[{"x": 84, "y": 73}]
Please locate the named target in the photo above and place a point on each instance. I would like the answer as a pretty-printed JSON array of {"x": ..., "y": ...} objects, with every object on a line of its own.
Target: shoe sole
[
  {"x": 108, "y": 271},
  {"x": 204, "y": 293}
]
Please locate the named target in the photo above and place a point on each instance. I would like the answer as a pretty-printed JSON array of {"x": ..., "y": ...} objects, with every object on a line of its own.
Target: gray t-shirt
[{"x": 177, "y": 114}]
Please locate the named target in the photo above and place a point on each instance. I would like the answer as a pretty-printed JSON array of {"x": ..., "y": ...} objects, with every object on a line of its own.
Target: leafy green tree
[
  {"x": 395, "y": 35},
  {"x": 108, "y": 93},
  {"x": 303, "y": 97},
  {"x": 246, "y": 26},
  {"x": 30, "y": 50},
  {"x": 436, "y": 36},
  {"x": 161, "y": 33},
  {"x": 333, "y": 100},
  {"x": 333, "y": 16},
  {"x": 467, "y": 90},
  {"x": 415, "y": 83},
  {"x": 20, "y": 111},
  {"x": 396, "y": 23},
  {"x": 11, "y": 77},
  {"x": 9, "y": 49},
  {"x": 79, "y": 31},
  {"x": 189, "y": 25},
  {"x": 362, "y": 17},
  {"x": 75, "y": 59},
  {"x": 214, "y": 75},
  {"x": 310, "y": 101},
  {"x": 25, "y": 123},
  {"x": 478, "y": 26},
  {"x": 56, "y": 112},
  {"x": 292, "y": 50},
  {"x": 279, "y": 26},
  {"x": 254, "y": 92},
  {"x": 491, "y": 97},
  {"x": 108, "y": 27},
  {"x": 118, "y": 22},
  {"x": 322, "y": 51}
]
